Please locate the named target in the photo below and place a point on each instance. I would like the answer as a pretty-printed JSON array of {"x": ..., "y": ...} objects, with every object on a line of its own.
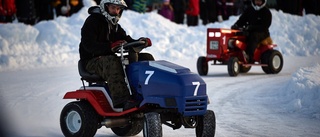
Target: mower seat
[{"x": 85, "y": 75}]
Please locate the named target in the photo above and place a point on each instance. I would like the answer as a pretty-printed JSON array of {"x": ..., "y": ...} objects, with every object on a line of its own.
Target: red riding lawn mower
[{"x": 227, "y": 47}]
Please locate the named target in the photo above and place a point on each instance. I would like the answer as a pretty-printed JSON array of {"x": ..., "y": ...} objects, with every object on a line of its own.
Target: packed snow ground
[{"x": 38, "y": 66}]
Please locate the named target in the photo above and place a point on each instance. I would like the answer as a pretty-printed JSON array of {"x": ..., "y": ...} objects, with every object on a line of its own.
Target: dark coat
[
  {"x": 255, "y": 21},
  {"x": 97, "y": 35}
]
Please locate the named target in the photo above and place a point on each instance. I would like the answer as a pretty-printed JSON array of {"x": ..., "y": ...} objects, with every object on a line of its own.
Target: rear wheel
[
  {"x": 206, "y": 125},
  {"x": 79, "y": 119},
  {"x": 274, "y": 60},
  {"x": 152, "y": 126},
  {"x": 202, "y": 66},
  {"x": 132, "y": 129},
  {"x": 233, "y": 66}
]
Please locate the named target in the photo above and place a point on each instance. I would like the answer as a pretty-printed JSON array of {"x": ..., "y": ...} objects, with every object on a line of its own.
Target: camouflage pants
[{"x": 110, "y": 69}]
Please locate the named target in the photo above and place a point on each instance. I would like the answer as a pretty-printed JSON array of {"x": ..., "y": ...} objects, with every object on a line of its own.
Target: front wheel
[
  {"x": 152, "y": 125},
  {"x": 274, "y": 61},
  {"x": 233, "y": 66},
  {"x": 206, "y": 125},
  {"x": 202, "y": 66},
  {"x": 79, "y": 119}
]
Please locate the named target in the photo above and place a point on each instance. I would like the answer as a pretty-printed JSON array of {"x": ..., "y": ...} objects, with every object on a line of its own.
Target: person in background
[
  {"x": 193, "y": 12},
  {"x": 7, "y": 11},
  {"x": 100, "y": 35},
  {"x": 139, "y": 6},
  {"x": 179, "y": 9},
  {"x": 256, "y": 20},
  {"x": 225, "y": 9},
  {"x": 203, "y": 12},
  {"x": 208, "y": 11},
  {"x": 26, "y": 11},
  {"x": 166, "y": 10},
  {"x": 44, "y": 9},
  {"x": 68, "y": 7}
]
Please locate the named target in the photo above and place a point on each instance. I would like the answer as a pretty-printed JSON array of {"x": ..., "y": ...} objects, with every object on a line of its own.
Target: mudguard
[{"x": 98, "y": 100}]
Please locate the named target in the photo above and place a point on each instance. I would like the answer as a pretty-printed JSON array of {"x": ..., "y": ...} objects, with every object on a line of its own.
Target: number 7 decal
[
  {"x": 150, "y": 73},
  {"x": 197, "y": 87}
]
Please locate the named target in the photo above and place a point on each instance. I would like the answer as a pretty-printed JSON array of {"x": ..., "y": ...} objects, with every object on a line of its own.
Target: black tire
[
  {"x": 202, "y": 66},
  {"x": 79, "y": 119},
  {"x": 233, "y": 66},
  {"x": 145, "y": 57},
  {"x": 132, "y": 129},
  {"x": 274, "y": 60},
  {"x": 152, "y": 125},
  {"x": 206, "y": 125},
  {"x": 244, "y": 69}
]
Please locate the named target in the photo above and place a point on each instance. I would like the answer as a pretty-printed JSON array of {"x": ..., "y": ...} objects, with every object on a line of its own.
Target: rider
[
  {"x": 100, "y": 36},
  {"x": 256, "y": 20}
]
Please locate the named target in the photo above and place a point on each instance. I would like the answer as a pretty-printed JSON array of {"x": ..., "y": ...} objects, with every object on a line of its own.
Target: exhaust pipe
[{"x": 115, "y": 122}]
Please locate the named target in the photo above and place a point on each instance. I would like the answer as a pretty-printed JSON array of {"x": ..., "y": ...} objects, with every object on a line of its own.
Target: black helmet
[
  {"x": 256, "y": 7},
  {"x": 113, "y": 19}
]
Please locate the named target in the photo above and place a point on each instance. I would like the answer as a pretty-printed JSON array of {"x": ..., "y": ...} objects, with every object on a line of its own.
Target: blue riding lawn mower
[{"x": 169, "y": 94}]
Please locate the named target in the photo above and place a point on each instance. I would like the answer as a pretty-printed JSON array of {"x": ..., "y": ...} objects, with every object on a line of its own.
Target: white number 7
[
  {"x": 197, "y": 87},
  {"x": 148, "y": 77}
]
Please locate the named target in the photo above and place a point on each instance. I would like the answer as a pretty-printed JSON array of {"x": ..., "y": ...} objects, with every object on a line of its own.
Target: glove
[
  {"x": 116, "y": 45},
  {"x": 248, "y": 28},
  {"x": 147, "y": 40},
  {"x": 235, "y": 26}
]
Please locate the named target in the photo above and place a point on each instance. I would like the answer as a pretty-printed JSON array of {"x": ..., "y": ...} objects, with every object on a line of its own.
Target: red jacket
[
  {"x": 193, "y": 8},
  {"x": 7, "y": 7}
]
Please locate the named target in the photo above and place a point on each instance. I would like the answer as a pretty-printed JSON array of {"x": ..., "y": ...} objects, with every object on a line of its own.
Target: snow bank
[
  {"x": 55, "y": 42},
  {"x": 303, "y": 91}
]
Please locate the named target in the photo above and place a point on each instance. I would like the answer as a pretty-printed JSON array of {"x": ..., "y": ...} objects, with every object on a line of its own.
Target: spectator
[
  {"x": 166, "y": 10},
  {"x": 225, "y": 9},
  {"x": 179, "y": 9},
  {"x": 26, "y": 12},
  {"x": 203, "y": 12},
  {"x": 153, "y": 5},
  {"x": 193, "y": 12},
  {"x": 44, "y": 9},
  {"x": 68, "y": 7},
  {"x": 208, "y": 11},
  {"x": 139, "y": 6},
  {"x": 212, "y": 12},
  {"x": 230, "y": 9},
  {"x": 7, "y": 10}
]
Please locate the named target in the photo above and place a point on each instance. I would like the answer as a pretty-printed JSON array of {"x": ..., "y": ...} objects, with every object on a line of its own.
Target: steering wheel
[{"x": 137, "y": 46}]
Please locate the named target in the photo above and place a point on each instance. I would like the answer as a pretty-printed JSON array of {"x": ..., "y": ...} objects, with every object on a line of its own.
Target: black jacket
[
  {"x": 97, "y": 34},
  {"x": 255, "y": 21}
]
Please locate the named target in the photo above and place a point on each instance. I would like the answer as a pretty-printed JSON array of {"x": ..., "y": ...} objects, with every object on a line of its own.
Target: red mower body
[{"x": 227, "y": 46}]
